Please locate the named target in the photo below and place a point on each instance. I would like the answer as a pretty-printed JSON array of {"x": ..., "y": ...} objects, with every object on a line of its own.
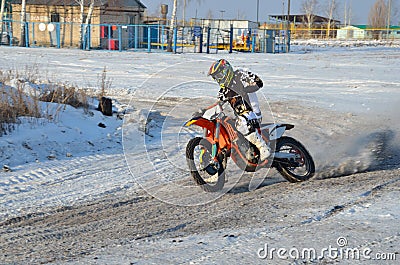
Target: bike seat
[{"x": 265, "y": 124}]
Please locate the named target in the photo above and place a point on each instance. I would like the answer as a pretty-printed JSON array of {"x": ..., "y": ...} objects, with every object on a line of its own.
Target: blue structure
[{"x": 152, "y": 37}]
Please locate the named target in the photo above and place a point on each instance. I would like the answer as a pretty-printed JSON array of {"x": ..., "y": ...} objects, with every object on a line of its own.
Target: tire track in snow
[
  {"x": 60, "y": 183},
  {"x": 362, "y": 199},
  {"x": 133, "y": 220}
]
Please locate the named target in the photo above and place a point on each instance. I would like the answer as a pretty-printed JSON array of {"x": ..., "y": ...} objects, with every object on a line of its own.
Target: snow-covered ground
[{"x": 344, "y": 102}]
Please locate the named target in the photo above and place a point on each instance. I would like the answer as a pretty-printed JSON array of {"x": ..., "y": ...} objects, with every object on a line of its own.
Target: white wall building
[{"x": 351, "y": 32}]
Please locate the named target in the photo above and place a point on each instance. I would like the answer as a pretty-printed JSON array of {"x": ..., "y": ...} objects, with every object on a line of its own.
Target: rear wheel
[
  {"x": 207, "y": 173},
  {"x": 300, "y": 169}
]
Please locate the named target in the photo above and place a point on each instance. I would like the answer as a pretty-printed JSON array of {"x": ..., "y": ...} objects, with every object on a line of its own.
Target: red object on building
[
  {"x": 113, "y": 44},
  {"x": 103, "y": 31}
]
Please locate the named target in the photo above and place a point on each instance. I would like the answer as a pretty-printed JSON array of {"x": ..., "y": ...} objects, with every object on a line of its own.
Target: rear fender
[{"x": 276, "y": 130}]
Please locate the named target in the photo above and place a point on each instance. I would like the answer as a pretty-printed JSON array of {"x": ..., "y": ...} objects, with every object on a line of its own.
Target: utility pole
[
  {"x": 258, "y": 8},
  {"x": 388, "y": 18},
  {"x": 288, "y": 28},
  {"x": 183, "y": 13},
  {"x": 222, "y": 14}
]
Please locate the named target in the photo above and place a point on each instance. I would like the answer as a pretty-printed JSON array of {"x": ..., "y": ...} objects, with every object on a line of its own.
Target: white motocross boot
[{"x": 256, "y": 139}]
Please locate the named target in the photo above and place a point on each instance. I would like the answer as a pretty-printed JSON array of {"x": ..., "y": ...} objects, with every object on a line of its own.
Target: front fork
[
  {"x": 216, "y": 137},
  {"x": 214, "y": 148}
]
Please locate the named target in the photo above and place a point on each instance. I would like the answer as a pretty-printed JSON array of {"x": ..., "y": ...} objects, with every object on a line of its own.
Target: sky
[{"x": 247, "y": 9}]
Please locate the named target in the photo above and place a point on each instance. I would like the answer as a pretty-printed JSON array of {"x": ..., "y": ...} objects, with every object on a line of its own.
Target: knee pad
[{"x": 246, "y": 126}]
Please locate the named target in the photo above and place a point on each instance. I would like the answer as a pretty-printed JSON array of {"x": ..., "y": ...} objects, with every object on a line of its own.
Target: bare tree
[
  {"x": 183, "y": 11},
  {"x": 3, "y": 3},
  {"x": 210, "y": 14},
  {"x": 309, "y": 8},
  {"x": 348, "y": 13},
  {"x": 22, "y": 43},
  {"x": 84, "y": 24},
  {"x": 378, "y": 17},
  {"x": 185, "y": 3},
  {"x": 392, "y": 12},
  {"x": 241, "y": 15},
  {"x": 332, "y": 6},
  {"x": 173, "y": 21},
  {"x": 81, "y": 14},
  {"x": 88, "y": 19},
  {"x": 172, "y": 25}
]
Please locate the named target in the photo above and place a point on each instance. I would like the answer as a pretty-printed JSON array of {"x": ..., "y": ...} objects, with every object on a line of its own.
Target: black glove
[
  {"x": 259, "y": 82},
  {"x": 220, "y": 96}
]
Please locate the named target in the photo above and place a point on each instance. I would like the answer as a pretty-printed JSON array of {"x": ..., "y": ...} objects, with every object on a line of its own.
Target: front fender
[
  {"x": 201, "y": 122},
  {"x": 223, "y": 140}
]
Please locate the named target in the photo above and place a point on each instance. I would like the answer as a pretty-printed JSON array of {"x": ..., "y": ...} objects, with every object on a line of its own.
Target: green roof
[{"x": 368, "y": 27}]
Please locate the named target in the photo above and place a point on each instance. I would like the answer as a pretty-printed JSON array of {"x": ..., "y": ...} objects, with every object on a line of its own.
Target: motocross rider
[{"x": 240, "y": 87}]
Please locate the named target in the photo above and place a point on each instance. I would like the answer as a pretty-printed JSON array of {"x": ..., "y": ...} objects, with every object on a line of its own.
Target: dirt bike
[{"x": 207, "y": 155}]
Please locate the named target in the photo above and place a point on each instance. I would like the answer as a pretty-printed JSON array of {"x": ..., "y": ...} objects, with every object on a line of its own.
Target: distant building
[
  {"x": 351, "y": 32},
  {"x": 394, "y": 32},
  {"x": 226, "y": 23},
  {"x": 360, "y": 32},
  {"x": 220, "y": 30},
  {"x": 299, "y": 19},
  {"x": 308, "y": 26},
  {"x": 41, "y": 13}
]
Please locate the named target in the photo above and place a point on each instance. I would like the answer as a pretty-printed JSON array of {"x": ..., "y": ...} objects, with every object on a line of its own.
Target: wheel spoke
[
  {"x": 207, "y": 173},
  {"x": 301, "y": 167}
]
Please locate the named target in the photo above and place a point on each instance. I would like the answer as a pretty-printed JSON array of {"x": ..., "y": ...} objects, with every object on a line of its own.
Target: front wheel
[
  {"x": 207, "y": 173},
  {"x": 302, "y": 168}
]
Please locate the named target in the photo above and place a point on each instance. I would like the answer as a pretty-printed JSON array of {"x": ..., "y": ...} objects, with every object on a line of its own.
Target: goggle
[{"x": 219, "y": 76}]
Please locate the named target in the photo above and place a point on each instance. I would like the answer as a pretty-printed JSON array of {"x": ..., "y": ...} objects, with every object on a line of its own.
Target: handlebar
[{"x": 221, "y": 102}]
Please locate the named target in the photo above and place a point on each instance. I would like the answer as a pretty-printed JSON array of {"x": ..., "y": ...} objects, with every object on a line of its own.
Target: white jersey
[{"x": 255, "y": 105}]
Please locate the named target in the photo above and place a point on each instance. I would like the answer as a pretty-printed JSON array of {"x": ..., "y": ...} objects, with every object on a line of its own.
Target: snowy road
[
  {"x": 126, "y": 228},
  {"x": 89, "y": 209}
]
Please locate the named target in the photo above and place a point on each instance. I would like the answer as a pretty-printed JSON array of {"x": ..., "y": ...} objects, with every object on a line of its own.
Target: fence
[
  {"x": 143, "y": 37},
  {"x": 360, "y": 32},
  {"x": 158, "y": 37},
  {"x": 347, "y": 33}
]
